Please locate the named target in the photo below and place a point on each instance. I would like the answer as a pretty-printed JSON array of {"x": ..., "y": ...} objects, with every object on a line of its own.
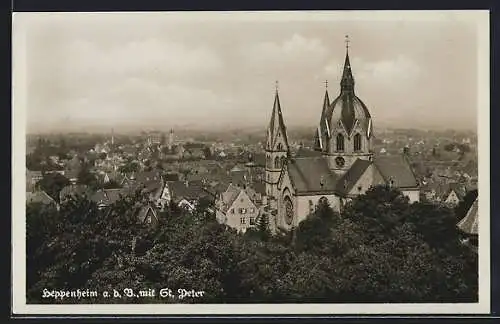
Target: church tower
[
  {"x": 277, "y": 148},
  {"x": 171, "y": 140},
  {"x": 345, "y": 131}
]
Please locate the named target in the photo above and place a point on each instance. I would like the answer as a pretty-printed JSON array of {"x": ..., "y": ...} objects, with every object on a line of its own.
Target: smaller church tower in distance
[
  {"x": 171, "y": 139},
  {"x": 277, "y": 149}
]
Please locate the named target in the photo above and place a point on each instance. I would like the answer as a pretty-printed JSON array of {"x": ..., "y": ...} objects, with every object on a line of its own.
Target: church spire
[
  {"x": 347, "y": 82},
  {"x": 277, "y": 124}
]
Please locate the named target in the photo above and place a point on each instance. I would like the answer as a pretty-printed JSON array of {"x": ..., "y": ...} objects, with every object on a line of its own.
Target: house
[
  {"x": 72, "y": 175},
  {"x": 469, "y": 226},
  {"x": 184, "y": 193},
  {"x": 74, "y": 190},
  {"x": 451, "y": 193},
  {"x": 106, "y": 197},
  {"x": 41, "y": 197},
  {"x": 235, "y": 209},
  {"x": 148, "y": 215},
  {"x": 32, "y": 178}
]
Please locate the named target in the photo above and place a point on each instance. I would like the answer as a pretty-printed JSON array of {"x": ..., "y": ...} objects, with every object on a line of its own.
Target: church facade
[{"x": 342, "y": 166}]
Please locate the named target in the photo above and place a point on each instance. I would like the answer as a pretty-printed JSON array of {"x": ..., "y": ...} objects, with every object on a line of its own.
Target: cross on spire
[
  {"x": 276, "y": 85},
  {"x": 347, "y": 41},
  {"x": 326, "y": 84}
]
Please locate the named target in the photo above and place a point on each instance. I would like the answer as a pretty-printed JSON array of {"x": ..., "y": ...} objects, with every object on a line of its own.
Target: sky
[{"x": 218, "y": 70}]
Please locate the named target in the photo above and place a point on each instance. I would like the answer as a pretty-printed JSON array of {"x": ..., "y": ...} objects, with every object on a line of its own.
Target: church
[{"x": 343, "y": 164}]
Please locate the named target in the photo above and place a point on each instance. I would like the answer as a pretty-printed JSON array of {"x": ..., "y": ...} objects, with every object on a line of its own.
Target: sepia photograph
[{"x": 313, "y": 162}]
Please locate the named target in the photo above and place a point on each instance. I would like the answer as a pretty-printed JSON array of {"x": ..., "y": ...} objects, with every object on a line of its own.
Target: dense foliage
[{"x": 382, "y": 249}]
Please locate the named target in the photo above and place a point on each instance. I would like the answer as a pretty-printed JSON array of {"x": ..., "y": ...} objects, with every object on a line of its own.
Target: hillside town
[{"x": 230, "y": 176}]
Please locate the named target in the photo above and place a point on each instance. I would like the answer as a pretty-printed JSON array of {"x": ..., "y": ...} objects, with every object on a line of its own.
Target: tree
[
  {"x": 263, "y": 226},
  {"x": 52, "y": 184}
]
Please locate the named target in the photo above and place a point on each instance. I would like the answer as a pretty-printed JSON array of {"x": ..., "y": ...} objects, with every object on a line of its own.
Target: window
[
  {"x": 252, "y": 210},
  {"x": 340, "y": 142},
  {"x": 148, "y": 220},
  {"x": 277, "y": 163},
  {"x": 357, "y": 142},
  {"x": 252, "y": 220},
  {"x": 242, "y": 220},
  {"x": 359, "y": 188},
  {"x": 232, "y": 210}
]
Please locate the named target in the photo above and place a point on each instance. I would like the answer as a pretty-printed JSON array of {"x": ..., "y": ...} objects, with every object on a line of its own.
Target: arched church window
[
  {"x": 340, "y": 142},
  {"x": 323, "y": 201},
  {"x": 357, "y": 142},
  {"x": 283, "y": 159},
  {"x": 277, "y": 163},
  {"x": 288, "y": 210},
  {"x": 280, "y": 147}
]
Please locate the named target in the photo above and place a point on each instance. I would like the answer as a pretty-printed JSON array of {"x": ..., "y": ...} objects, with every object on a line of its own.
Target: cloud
[
  {"x": 296, "y": 50},
  {"x": 150, "y": 56},
  {"x": 400, "y": 70},
  {"x": 396, "y": 71}
]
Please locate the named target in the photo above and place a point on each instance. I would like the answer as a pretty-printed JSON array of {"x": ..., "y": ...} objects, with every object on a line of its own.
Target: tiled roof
[
  {"x": 143, "y": 212},
  {"x": 145, "y": 176},
  {"x": 349, "y": 179},
  {"x": 469, "y": 224},
  {"x": 39, "y": 197},
  {"x": 107, "y": 196},
  {"x": 191, "y": 190},
  {"x": 229, "y": 196},
  {"x": 303, "y": 152},
  {"x": 397, "y": 169},
  {"x": 74, "y": 190},
  {"x": 311, "y": 175},
  {"x": 259, "y": 187}
]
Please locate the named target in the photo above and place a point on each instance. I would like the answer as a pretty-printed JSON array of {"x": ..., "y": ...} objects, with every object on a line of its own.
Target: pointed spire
[
  {"x": 326, "y": 100},
  {"x": 276, "y": 123},
  {"x": 347, "y": 82}
]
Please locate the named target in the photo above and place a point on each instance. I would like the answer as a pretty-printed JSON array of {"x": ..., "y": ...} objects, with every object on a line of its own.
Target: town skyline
[{"x": 158, "y": 71}]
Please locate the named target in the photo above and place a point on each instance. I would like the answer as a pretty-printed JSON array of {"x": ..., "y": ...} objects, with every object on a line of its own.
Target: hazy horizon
[{"x": 135, "y": 71}]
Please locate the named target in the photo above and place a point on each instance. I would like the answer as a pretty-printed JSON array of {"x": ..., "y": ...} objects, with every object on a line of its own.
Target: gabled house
[
  {"x": 32, "y": 179},
  {"x": 451, "y": 193},
  {"x": 106, "y": 197},
  {"x": 74, "y": 191},
  {"x": 41, "y": 197},
  {"x": 236, "y": 209},
  {"x": 469, "y": 226},
  {"x": 184, "y": 193},
  {"x": 148, "y": 215}
]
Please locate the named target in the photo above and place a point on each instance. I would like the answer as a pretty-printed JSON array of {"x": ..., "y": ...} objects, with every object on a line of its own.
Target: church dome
[{"x": 347, "y": 109}]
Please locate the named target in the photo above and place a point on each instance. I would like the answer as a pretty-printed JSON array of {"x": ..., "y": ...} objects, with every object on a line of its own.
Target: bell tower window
[
  {"x": 277, "y": 163},
  {"x": 357, "y": 142},
  {"x": 340, "y": 142}
]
